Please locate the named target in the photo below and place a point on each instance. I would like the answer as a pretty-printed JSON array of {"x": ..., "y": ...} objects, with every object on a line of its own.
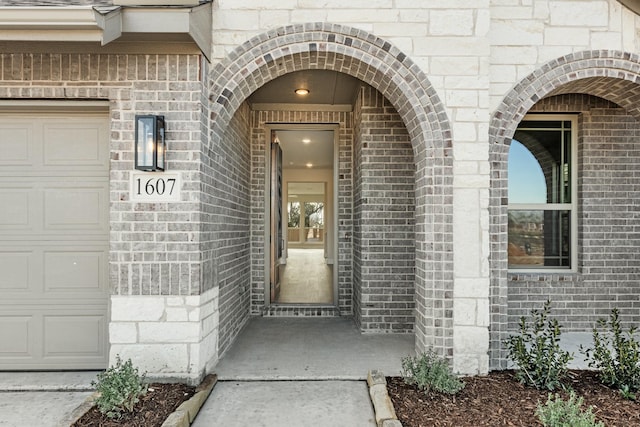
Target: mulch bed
[
  {"x": 152, "y": 410},
  {"x": 498, "y": 399}
]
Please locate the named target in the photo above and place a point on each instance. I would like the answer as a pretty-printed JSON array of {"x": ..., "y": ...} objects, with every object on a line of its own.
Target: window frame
[{"x": 572, "y": 207}]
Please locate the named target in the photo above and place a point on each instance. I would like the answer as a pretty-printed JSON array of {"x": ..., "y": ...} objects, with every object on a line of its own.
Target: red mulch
[
  {"x": 152, "y": 410},
  {"x": 498, "y": 399}
]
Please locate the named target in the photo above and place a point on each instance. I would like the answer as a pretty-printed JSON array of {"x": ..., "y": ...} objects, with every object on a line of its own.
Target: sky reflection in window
[{"x": 526, "y": 179}]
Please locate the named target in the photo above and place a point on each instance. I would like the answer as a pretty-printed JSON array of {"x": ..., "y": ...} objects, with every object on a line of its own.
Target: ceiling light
[
  {"x": 309, "y": 165},
  {"x": 306, "y": 140},
  {"x": 302, "y": 91}
]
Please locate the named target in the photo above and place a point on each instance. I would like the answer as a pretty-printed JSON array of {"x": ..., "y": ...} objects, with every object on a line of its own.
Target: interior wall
[
  {"x": 608, "y": 211},
  {"x": 231, "y": 204},
  {"x": 313, "y": 175},
  {"x": 384, "y": 217}
]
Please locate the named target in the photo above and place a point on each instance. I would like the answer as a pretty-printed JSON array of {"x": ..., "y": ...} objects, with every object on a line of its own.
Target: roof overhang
[
  {"x": 108, "y": 24},
  {"x": 633, "y": 5}
]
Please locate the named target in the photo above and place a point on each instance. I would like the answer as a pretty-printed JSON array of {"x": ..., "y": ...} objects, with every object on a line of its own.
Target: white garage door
[{"x": 54, "y": 177}]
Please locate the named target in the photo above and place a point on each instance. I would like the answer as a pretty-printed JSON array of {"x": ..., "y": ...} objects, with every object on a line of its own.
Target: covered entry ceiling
[
  {"x": 325, "y": 88},
  {"x": 306, "y": 148}
]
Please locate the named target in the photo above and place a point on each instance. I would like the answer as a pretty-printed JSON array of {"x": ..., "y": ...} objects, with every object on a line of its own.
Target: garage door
[{"x": 54, "y": 177}]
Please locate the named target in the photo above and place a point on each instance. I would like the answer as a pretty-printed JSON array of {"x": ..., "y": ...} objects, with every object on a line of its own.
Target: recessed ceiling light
[
  {"x": 302, "y": 91},
  {"x": 306, "y": 140},
  {"x": 309, "y": 165}
]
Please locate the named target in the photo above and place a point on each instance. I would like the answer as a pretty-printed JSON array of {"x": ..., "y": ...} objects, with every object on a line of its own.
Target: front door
[
  {"x": 302, "y": 211},
  {"x": 276, "y": 216}
]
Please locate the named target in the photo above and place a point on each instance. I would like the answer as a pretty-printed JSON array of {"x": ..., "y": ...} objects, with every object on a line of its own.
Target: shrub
[
  {"x": 616, "y": 355},
  {"x": 536, "y": 351},
  {"x": 429, "y": 372},
  {"x": 119, "y": 389},
  {"x": 561, "y": 413}
]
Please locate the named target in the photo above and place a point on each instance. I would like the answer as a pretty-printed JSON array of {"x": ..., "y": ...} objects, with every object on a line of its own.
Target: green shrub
[
  {"x": 536, "y": 352},
  {"x": 119, "y": 389},
  {"x": 429, "y": 372},
  {"x": 561, "y": 413},
  {"x": 616, "y": 355}
]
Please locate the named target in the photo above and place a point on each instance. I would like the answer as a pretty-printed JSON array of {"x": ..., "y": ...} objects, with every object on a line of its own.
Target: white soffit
[{"x": 107, "y": 24}]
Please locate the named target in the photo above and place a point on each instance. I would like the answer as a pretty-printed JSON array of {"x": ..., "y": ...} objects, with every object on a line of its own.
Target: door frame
[{"x": 269, "y": 128}]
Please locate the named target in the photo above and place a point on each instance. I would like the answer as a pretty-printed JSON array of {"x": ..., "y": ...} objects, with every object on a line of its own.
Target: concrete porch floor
[{"x": 329, "y": 348}]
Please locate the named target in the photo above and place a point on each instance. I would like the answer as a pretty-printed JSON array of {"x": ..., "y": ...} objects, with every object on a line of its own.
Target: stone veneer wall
[
  {"x": 169, "y": 337},
  {"x": 259, "y": 137},
  {"x": 384, "y": 206},
  {"x": 608, "y": 238}
]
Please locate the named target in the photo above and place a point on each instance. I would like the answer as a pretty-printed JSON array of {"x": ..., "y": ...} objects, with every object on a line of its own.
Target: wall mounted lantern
[{"x": 150, "y": 146}]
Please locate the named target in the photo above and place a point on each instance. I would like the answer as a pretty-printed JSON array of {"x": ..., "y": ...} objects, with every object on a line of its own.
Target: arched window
[{"x": 542, "y": 187}]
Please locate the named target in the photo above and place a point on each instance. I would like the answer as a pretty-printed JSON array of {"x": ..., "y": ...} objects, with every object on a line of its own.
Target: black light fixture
[{"x": 150, "y": 147}]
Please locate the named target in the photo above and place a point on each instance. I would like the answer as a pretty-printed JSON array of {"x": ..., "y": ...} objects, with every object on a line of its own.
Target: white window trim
[{"x": 573, "y": 206}]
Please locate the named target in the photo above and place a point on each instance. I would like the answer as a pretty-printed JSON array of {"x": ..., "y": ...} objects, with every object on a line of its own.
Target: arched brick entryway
[
  {"x": 392, "y": 73},
  {"x": 611, "y": 75}
]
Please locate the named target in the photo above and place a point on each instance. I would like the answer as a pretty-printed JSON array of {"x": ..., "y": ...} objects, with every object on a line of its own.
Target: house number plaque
[{"x": 155, "y": 187}]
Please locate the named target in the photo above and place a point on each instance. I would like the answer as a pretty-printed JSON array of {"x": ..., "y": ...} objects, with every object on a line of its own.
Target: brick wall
[
  {"x": 602, "y": 73},
  {"x": 608, "y": 239},
  {"x": 153, "y": 246},
  {"x": 230, "y": 199},
  {"x": 384, "y": 205}
]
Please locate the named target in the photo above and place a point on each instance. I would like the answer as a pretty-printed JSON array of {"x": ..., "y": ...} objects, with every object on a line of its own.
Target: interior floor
[{"x": 306, "y": 278}]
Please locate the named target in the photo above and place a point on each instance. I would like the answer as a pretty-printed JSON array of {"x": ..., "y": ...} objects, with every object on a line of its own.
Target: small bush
[
  {"x": 536, "y": 351},
  {"x": 616, "y": 355},
  {"x": 120, "y": 388},
  {"x": 561, "y": 413},
  {"x": 429, "y": 372}
]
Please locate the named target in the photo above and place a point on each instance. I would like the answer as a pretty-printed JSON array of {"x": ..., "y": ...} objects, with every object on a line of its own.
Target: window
[{"x": 542, "y": 194}]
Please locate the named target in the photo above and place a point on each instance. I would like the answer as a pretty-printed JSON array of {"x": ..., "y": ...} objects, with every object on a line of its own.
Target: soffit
[
  {"x": 634, "y": 5},
  {"x": 328, "y": 90},
  {"x": 105, "y": 23}
]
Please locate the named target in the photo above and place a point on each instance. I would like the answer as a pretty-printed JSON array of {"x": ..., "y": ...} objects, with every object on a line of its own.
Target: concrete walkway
[
  {"x": 300, "y": 372},
  {"x": 279, "y": 372},
  {"x": 42, "y": 399}
]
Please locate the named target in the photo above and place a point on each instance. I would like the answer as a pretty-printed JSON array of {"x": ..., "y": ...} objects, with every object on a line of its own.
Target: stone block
[
  {"x": 451, "y": 46},
  {"x": 451, "y": 22},
  {"x": 563, "y": 36},
  {"x": 470, "y": 340},
  {"x": 169, "y": 332},
  {"x": 464, "y": 312},
  {"x": 154, "y": 358},
  {"x": 123, "y": 333},
  {"x": 471, "y": 288},
  {"x": 464, "y": 131},
  {"x": 516, "y": 32},
  {"x": 137, "y": 308},
  {"x": 588, "y": 14},
  {"x": 376, "y": 377},
  {"x": 382, "y": 403},
  {"x": 391, "y": 29},
  {"x": 176, "y": 314}
]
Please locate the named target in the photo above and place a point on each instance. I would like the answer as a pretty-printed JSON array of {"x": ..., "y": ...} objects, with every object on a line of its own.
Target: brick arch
[
  {"x": 383, "y": 66},
  {"x": 611, "y": 75}
]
